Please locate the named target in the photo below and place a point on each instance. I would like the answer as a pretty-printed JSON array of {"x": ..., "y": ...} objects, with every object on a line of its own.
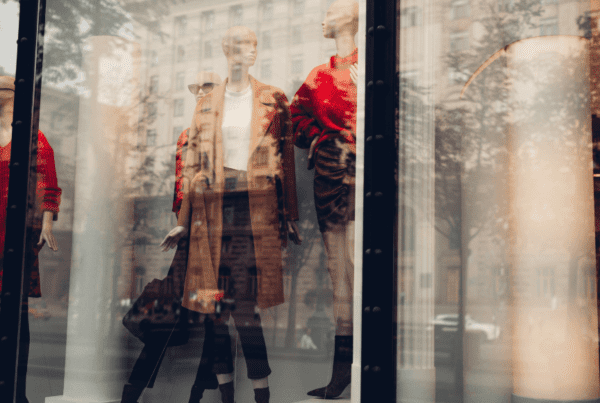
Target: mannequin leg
[
  {"x": 205, "y": 378},
  {"x": 339, "y": 244}
]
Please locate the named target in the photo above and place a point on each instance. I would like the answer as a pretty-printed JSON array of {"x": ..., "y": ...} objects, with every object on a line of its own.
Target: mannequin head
[
  {"x": 205, "y": 82},
  {"x": 239, "y": 46},
  {"x": 341, "y": 19},
  {"x": 7, "y": 91}
]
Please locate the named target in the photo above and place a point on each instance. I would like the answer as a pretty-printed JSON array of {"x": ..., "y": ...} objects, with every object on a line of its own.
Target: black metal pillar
[
  {"x": 378, "y": 361},
  {"x": 22, "y": 182}
]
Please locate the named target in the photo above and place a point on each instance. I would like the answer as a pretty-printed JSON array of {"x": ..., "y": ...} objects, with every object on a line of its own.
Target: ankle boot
[
  {"x": 262, "y": 395},
  {"x": 342, "y": 370},
  {"x": 131, "y": 393},
  {"x": 227, "y": 392}
]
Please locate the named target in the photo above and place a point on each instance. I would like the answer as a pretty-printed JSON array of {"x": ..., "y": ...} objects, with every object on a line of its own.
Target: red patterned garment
[
  {"x": 325, "y": 105},
  {"x": 182, "y": 143},
  {"x": 47, "y": 199}
]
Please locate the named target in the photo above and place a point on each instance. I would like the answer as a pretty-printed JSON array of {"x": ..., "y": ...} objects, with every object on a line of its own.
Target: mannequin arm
[{"x": 46, "y": 236}]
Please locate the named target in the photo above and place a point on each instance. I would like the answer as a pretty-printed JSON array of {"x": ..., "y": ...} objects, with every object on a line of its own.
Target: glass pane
[
  {"x": 150, "y": 139},
  {"x": 497, "y": 266}
]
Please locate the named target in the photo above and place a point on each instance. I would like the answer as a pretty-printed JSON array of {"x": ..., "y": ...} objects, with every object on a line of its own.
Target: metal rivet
[
  {"x": 366, "y": 368},
  {"x": 376, "y": 309},
  {"x": 376, "y": 369},
  {"x": 11, "y": 250},
  {"x": 370, "y": 85},
  {"x": 369, "y": 138},
  {"x": 368, "y": 251},
  {"x": 14, "y": 206},
  {"x": 18, "y": 123},
  {"x": 367, "y": 309},
  {"x": 378, "y": 194},
  {"x": 371, "y": 31},
  {"x": 15, "y": 164},
  {"x": 368, "y": 194},
  {"x": 379, "y": 137},
  {"x": 23, "y": 40},
  {"x": 7, "y": 294},
  {"x": 1, "y": 383},
  {"x": 378, "y": 251},
  {"x": 21, "y": 81},
  {"x": 381, "y": 28},
  {"x": 4, "y": 338},
  {"x": 380, "y": 83}
]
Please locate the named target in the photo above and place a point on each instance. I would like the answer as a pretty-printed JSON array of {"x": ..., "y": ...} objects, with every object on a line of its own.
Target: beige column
[
  {"x": 554, "y": 313},
  {"x": 94, "y": 352}
]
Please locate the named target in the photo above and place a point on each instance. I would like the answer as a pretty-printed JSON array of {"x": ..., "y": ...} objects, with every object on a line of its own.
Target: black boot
[
  {"x": 342, "y": 370},
  {"x": 227, "y": 392},
  {"x": 131, "y": 393},
  {"x": 262, "y": 395}
]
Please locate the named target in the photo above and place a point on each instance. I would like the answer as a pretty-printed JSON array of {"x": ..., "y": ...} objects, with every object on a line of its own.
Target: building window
[
  {"x": 459, "y": 9},
  {"x": 208, "y": 21},
  {"x": 230, "y": 184},
  {"x": 297, "y": 64},
  {"x": 506, "y": 5},
  {"x": 181, "y": 25},
  {"x": 298, "y": 7},
  {"x": 178, "y": 107},
  {"x": 549, "y": 27},
  {"x": 228, "y": 212},
  {"x": 296, "y": 35},
  {"x": 410, "y": 17},
  {"x": 236, "y": 15},
  {"x": 265, "y": 69},
  {"x": 177, "y": 130},
  {"x": 180, "y": 81},
  {"x": 266, "y": 10},
  {"x": 151, "y": 137},
  {"x": 459, "y": 41},
  {"x": 266, "y": 40},
  {"x": 262, "y": 157},
  {"x": 180, "y": 54},
  {"x": 207, "y": 50},
  {"x": 152, "y": 110},
  {"x": 549, "y": 1},
  {"x": 153, "y": 56},
  {"x": 153, "y": 85}
]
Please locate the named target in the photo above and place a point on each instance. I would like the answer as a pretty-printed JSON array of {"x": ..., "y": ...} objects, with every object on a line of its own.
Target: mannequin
[
  {"x": 47, "y": 203},
  {"x": 239, "y": 121},
  {"x": 148, "y": 363},
  {"x": 324, "y": 119}
]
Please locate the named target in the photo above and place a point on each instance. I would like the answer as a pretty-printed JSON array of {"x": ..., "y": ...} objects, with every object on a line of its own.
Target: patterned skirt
[{"x": 335, "y": 173}]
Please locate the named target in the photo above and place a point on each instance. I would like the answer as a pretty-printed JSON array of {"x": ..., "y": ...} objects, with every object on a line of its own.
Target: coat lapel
[{"x": 263, "y": 112}]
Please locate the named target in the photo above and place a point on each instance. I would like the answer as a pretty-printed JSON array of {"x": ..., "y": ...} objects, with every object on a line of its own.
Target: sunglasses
[{"x": 206, "y": 87}]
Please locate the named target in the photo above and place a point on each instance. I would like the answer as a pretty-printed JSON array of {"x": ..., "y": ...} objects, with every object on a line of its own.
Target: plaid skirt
[{"x": 335, "y": 173}]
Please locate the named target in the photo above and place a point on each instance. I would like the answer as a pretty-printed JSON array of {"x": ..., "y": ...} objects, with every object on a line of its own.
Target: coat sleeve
[
  {"x": 180, "y": 156},
  {"x": 289, "y": 167},
  {"x": 305, "y": 126},
  {"x": 189, "y": 170},
  {"x": 47, "y": 188}
]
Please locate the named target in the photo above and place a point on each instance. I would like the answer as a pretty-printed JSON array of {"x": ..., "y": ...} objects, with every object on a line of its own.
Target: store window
[
  {"x": 208, "y": 20},
  {"x": 236, "y": 15},
  {"x": 178, "y": 107},
  {"x": 180, "y": 81},
  {"x": 153, "y": 88},
  {"x": 266, "y": 40}
]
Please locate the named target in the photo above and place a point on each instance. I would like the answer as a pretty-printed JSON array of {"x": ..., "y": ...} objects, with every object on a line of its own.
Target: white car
[{"x": 491, "y": 331}]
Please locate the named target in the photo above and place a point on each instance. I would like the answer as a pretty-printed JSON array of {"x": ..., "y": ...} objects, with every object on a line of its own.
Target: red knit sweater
[
  {"x": 47, "y": 194},
  {"x": 325, "y": 105}
]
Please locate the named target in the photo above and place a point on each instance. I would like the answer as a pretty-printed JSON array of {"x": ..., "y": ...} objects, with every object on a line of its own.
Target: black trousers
[{"x": 238, "y": 277}]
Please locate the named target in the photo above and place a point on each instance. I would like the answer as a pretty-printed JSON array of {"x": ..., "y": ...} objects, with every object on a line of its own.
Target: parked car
[{"x": 491, "y": 331}]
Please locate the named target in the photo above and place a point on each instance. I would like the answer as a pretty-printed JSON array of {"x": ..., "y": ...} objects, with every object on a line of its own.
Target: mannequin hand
[
  {"x": 47, "y": 237},
  {"x": 293, "y": 232},
  {"x": 354, "y": 73},
  {"x": 173, "y": 237}
]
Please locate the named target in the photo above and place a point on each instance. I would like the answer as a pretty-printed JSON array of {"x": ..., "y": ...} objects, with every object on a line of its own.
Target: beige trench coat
[{"x": 271, "y": 188}]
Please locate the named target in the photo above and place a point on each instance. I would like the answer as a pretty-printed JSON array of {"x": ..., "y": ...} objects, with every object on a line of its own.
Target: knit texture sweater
[{"x": 325, "y": 104}]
